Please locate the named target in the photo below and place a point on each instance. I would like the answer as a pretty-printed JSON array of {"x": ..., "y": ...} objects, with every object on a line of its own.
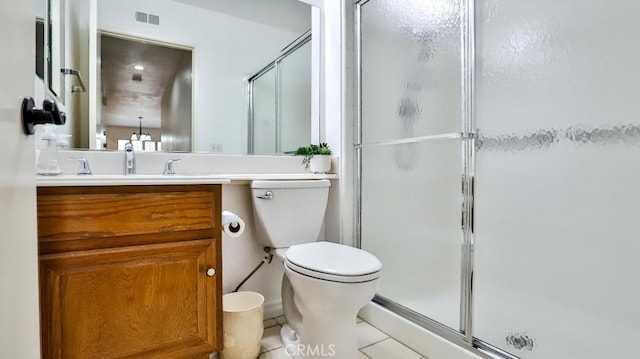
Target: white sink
[{"x": 128, "y": 180}]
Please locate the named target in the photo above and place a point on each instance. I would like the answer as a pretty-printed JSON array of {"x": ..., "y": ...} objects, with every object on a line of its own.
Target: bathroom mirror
[{"x": 231, "y": 42}]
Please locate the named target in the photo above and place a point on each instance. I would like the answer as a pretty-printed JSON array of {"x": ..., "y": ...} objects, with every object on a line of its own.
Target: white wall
[
  {"x": 241, "y": 255},
  {"x": 177, "y": 109},
  {"x": 41, "y": 8},
  {"x": 338, "y": 227},
  {"x": 348, "y": 126},
  {"x": 226, "y": 50},
  {"x": 18, "y": 245},
  {"x": 331, "y": 72}
]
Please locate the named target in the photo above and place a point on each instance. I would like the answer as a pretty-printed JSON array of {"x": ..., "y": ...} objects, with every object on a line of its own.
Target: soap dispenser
[{"x": 48, "y": 160}]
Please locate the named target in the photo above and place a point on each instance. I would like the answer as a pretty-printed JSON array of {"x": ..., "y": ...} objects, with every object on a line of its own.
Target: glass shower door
[
  {"x": 264, "y": 122},
  {"x": 411, "y": 152},
  {"x": 295, "y": 99},
  {"x": 557, "y": 195},
  {"x": 280, "y": 98}
]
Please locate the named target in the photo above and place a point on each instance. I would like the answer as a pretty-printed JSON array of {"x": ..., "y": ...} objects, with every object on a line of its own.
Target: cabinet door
[{"x": 152, "y": 301}]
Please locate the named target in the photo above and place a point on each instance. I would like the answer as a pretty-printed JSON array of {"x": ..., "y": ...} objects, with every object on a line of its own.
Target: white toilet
[{"x": 325, "y": 284}]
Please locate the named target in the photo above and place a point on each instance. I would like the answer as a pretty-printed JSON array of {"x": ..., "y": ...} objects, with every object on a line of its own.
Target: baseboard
[
  {"x": 273, "y": 309},
  {"x": 415, "y": 337}
]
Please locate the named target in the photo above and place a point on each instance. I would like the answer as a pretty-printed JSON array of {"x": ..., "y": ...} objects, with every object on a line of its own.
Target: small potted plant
[{"x": 317, "y": 158}]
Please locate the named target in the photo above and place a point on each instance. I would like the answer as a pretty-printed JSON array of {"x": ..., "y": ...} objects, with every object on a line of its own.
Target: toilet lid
[{"x": 319, "y": 258}]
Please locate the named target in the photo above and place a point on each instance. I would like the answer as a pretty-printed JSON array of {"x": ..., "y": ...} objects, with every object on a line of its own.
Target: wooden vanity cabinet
[{"x": 130, "y": 271}]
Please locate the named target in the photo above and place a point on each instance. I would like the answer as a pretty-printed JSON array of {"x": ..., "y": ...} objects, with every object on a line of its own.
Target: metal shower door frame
[
  {"x": 468, "y": 134},
  {"x": 274, "y": 65}
]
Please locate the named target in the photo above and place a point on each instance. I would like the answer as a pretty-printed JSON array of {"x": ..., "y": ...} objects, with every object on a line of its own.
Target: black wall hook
[{"x": 32, "y": 116}]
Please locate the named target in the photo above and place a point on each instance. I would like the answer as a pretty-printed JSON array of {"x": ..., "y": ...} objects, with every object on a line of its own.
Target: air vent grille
[
  {"x": 141, "y": 16},
  {"x": 154, "y": 19},
  {"x": 147, "y": 18}
]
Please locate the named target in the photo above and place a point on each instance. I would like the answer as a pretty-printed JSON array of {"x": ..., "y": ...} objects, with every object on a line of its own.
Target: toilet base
[
  {"x": 326, "y": 328},
  {"x": 290, "y": 340},
  {"x": 321, "y": 341}
]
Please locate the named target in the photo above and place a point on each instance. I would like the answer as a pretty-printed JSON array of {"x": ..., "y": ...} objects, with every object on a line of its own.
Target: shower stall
[{"x": 498, "y": 160}]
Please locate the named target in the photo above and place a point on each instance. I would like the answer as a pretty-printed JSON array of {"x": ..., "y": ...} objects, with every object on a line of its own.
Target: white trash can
[{"x": 242, "y": 324}]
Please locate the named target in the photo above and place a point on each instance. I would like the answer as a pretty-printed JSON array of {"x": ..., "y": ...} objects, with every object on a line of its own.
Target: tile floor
[{"x": 373, "y": 343}]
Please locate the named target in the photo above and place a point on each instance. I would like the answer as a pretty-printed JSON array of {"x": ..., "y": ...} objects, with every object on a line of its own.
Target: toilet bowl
[
  {"x": 325, "y": 284},
  {"x": 326, "y": 292}
]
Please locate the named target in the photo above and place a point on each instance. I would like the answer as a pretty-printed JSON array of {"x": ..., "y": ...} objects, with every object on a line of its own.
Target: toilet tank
[{"x": 293, "y": 214}]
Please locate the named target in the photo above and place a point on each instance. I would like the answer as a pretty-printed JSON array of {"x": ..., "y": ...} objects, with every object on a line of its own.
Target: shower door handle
[{"x": 267, "y": 195}]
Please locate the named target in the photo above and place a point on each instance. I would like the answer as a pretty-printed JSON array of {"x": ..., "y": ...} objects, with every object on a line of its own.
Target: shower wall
[{"x": 498, "y": 146}]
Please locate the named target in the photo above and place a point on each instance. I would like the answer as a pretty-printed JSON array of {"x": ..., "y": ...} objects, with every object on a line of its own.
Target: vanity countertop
[
  {"x": 241, "y": 178},
  {"x": 181, "y": 179}
]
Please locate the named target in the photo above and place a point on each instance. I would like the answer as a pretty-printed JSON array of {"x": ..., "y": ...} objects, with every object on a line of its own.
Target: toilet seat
[
  {"x": 331, "y": 277},
  {"x": 333, "y": 262}
]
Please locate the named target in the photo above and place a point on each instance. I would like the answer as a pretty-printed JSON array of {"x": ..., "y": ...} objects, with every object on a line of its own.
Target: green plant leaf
[{"x": 312, "y": 149}]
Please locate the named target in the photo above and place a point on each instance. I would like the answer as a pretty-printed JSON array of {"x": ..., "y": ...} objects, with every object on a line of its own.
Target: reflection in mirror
[
  {"x": 280, "y": 101},
  {"x": 40, "y": 48},
  {"x": 62, "y": 44},
  {"x": 145, "y": 95},
  {"x": 55, "y": 48},
  {"x": 231, "y": 41}
]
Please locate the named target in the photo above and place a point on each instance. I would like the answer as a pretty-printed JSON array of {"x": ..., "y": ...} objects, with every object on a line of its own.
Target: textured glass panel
[
  {"x": 556, "y": 64},
  {"x": 411, "y": 213},
  {"x": 264, "y": 113},
  {"x": 295, "y": 99},
  {"x": 556, "y": 200},
  {"x": 411, "y": 68}
]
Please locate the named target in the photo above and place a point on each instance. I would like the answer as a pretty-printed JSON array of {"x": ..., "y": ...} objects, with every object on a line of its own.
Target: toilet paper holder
[
  {"x": 234, "y": 227},
  {"x": 232, "y": 224}
]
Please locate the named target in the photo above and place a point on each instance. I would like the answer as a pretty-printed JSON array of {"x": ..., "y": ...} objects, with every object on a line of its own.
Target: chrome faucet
[
  {"x": 168, "y": 167},
  {"x": 129, "y": 159},
  {"x": 83, "y": 168}
]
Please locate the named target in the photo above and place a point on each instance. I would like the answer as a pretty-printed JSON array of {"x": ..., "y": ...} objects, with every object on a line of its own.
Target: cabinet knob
[{"x": 211, "y": 272}]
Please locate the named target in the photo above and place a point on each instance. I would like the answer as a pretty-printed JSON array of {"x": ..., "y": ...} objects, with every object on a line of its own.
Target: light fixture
[
  {"x": 138, "y": 67},
  {"x": 141, "y": 140},
  {"x": 141, "y": 136}
]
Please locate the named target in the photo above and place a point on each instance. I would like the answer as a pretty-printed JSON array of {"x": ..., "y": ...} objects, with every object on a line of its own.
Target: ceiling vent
[{"x": 137, "y": 77}]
